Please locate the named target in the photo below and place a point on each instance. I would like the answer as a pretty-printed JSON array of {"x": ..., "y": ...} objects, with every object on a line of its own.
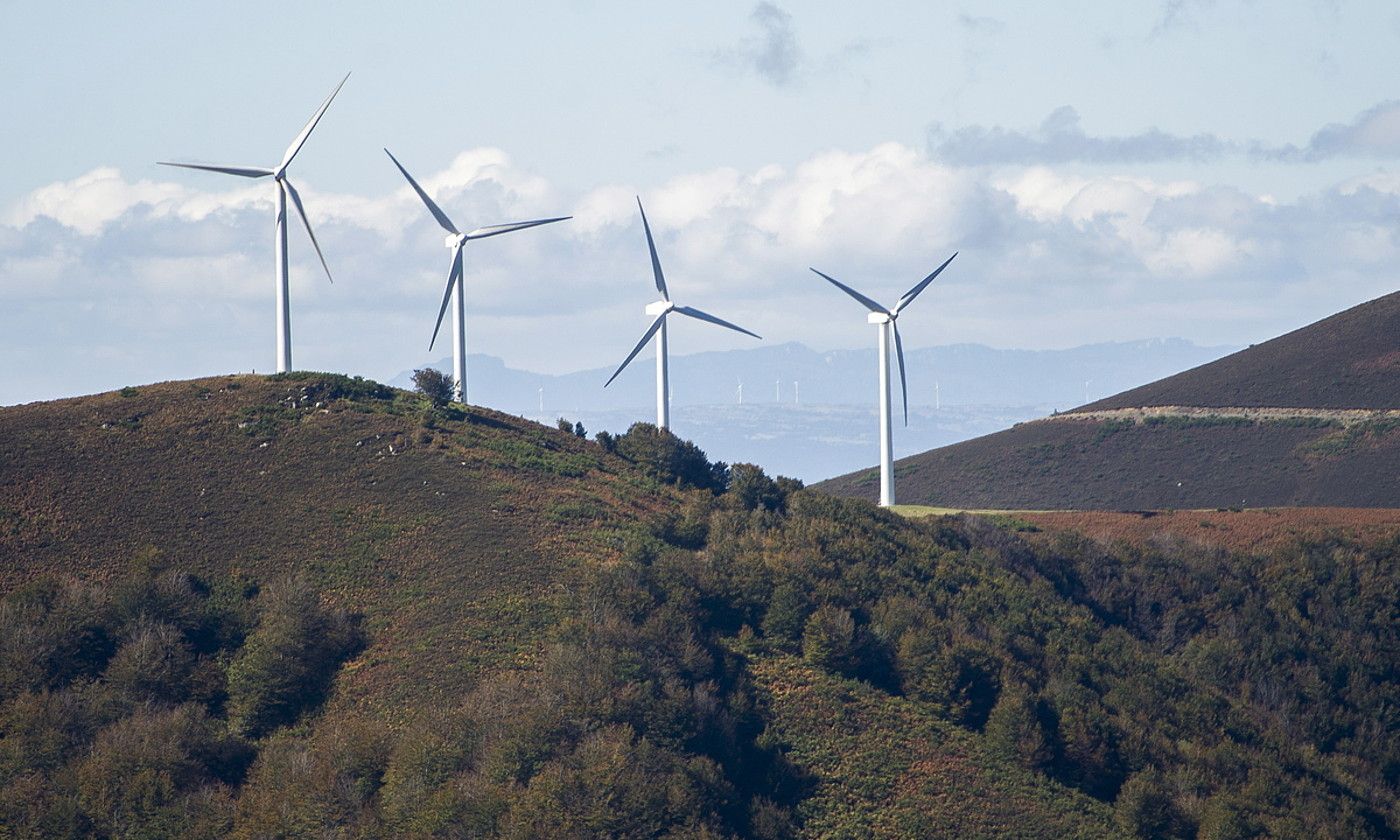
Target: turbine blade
[
  {"x": 655, "y": 261},
  {"x": 496, "y": 230},
  {"x": 453, "y": 276},
  {"x": 646, "y": 336},
  {"x": 432, "y": 206},
  {"x": 242, "y": 171},
  {"x": 301, "y": 211},
  {"x": 311, "y": 124},
  {"x": 705, "y": 316},
  {"x": 923, "y": 284},
  {"x": 903, "y": 385},
  {"x": 865, "y": 301}
]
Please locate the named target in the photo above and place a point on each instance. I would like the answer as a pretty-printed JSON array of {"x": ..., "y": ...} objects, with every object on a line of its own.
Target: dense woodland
[{"x": 1196, "y": 693}]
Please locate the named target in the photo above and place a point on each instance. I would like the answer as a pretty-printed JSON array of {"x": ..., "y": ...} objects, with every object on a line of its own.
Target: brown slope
[
  {"x": 1350, "y": 360},
  {"x": 1191, "y": 458},
  {"x": 1091, "y": 464}
]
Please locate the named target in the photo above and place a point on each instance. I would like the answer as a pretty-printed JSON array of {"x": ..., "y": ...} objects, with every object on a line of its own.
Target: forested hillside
[{"x": 394, "y": 620}]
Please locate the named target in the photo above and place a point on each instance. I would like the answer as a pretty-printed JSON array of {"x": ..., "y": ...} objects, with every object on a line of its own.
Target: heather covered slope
[
  {"x": 1348, "y": 360},
  {"x": 1092, "y": 464},
  {"x": 1311, "y": 418}
]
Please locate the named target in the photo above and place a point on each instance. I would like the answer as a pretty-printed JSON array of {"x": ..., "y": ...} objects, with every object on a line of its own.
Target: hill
[
  {"x": 306, "y": 605},
  {"x": 1349, "y": 360},
  {"x": 1309, "y": 418}
]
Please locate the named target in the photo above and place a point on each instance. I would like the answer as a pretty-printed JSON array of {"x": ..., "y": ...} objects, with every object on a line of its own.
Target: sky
[{"x": 1216, "y": 170}]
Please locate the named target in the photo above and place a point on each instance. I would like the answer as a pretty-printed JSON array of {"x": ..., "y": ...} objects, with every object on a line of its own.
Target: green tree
[
  {"x": 669, "y": 459},
  {"x": 437, "y": 386},
  {"x": 287, "y": 662},
  {"x": 786, "y": 616},
  {"x": 1015, "y": 730},
  {"x": 829, "y": 640},
  {"x": 153, "y": 665},
  {"x": 1144, "y": 808}
]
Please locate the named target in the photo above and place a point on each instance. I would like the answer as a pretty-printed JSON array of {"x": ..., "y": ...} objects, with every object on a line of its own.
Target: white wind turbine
[
  {"x": 455, "y": 241},
  {"x": 284, "y": 189},
  {"x": 661, "y": 309},
  {"x": 885, "y": 319}
]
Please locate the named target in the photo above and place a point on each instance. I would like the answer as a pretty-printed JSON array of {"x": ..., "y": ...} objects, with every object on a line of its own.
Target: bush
[{"x": 437, "y": 386}]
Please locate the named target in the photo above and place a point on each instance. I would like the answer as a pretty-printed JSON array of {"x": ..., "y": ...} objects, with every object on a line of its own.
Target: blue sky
[{"x": 1219, "y": 171}]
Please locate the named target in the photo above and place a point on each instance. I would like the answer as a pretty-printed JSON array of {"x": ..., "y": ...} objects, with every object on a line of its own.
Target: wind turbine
[
  {"x": 661, "y": 309},
  {"x": 284, "y": 189},
  {"x": 885, "y": 320},
  {"x": 455, "y": 241}
]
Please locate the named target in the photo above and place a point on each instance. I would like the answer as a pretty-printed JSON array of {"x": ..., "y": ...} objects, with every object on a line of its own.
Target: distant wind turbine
[
  {"x": 739, "y": 392},
  {"x": 455, "y": 241},
  {"x": 284, "y": 189},
  {"x": 661, "y": 309},
  {"x": 885, "y": 319}
]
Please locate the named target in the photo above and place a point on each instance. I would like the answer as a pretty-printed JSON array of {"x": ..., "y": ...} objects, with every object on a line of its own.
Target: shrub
[{"x": 437, "y": 386}]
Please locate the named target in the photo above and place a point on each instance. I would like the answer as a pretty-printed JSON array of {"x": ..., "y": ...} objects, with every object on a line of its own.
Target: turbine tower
[
  {"x": 885, "y": 320},
  {"x": 284, "y": 189},
  {"x": 661, "y": 309},
  {"x": 455, "y": 241}
]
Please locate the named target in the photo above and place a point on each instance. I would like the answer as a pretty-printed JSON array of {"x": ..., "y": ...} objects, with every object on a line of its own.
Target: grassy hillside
[
  {"x": 309, "y": 606},
  {"x": 454, "y": 541}
]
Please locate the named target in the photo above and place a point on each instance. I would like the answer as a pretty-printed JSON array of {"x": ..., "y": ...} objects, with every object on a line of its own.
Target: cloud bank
[{"x": 110, "y": 279}]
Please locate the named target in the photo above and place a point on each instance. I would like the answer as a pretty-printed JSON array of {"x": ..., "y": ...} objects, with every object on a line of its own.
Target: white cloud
[{"x": 1049, "y": 258}]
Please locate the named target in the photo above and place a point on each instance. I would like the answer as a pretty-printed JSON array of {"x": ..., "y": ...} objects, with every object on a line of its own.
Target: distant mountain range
[
  {"x": 1309, "y": 418},
  {"x": 811, "y": 414}
]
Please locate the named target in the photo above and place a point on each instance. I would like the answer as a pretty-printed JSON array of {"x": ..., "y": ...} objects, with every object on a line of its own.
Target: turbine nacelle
[
  {"x": 879, "y": 318},
  {"x": 452, "y": 240},
  {"x": 659, "y": 310}
]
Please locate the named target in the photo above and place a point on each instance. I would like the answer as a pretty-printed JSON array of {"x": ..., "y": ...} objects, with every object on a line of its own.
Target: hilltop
[
  {"x": 1311, "y": 418},
  {"x": 304, "y": 604}
]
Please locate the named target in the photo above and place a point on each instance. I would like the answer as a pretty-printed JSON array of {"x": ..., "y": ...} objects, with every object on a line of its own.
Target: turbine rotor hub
[{"x": 660, "y": 307}]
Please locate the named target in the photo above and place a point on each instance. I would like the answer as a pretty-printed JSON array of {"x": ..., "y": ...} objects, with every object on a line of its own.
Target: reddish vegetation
[
  {"x": 1242, "y": 531},
  {"x": 1100, "y": 465},
  {"x": 1349, "y": 360}
]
